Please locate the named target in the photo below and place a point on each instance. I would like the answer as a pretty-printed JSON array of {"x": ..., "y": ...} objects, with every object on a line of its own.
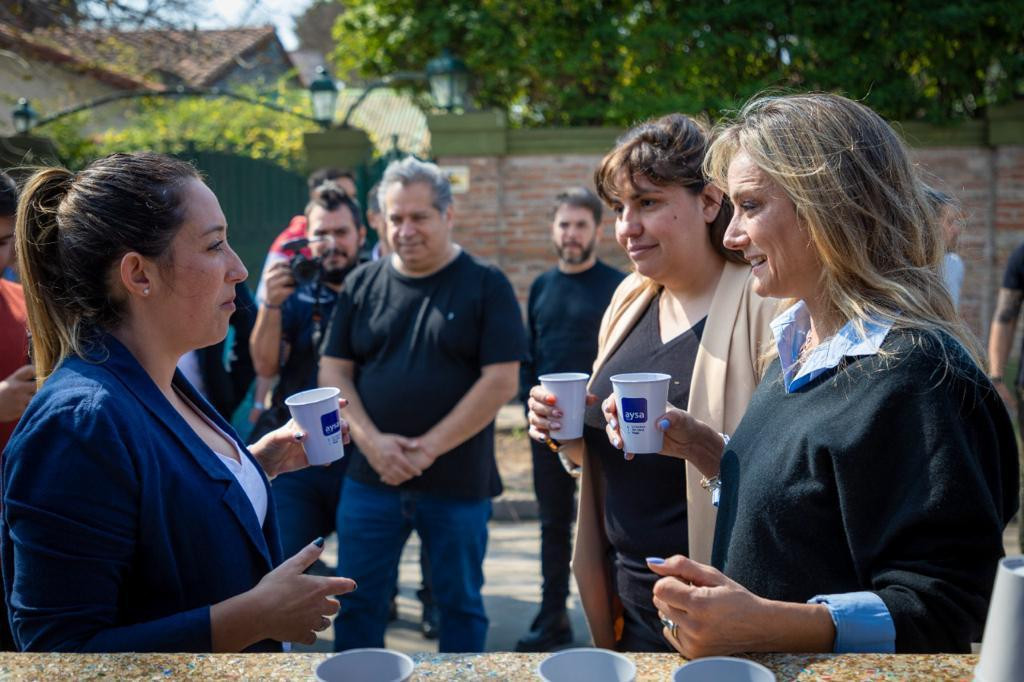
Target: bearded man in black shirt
[
  {"x": 563, "y": 316},
  {"x": 425, "y": 345}
]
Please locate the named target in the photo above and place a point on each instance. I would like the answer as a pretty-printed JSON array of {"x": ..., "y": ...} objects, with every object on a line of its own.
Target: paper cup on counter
[
  {"x": 1002, "y": 646},
  {"x": 592, "y": 665},
  {"x": 640, "y": 399},
  {"x": 722, "y": 669},
  {"x": 316, "y": 412},
  {"x": 366, "y": 665},
  {"x": 570, "y": 391}
]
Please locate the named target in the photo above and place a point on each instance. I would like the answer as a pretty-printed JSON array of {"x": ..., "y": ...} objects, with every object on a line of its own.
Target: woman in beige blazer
[{"x": 689, "y": 304}]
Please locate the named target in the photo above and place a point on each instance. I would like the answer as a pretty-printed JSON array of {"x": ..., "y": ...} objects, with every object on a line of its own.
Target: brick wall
[{"x": 505, "y": 216}]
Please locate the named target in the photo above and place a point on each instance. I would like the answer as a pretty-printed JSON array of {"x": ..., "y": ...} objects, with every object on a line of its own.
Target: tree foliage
[
  {"x": 592, "y": 62},
  {"x": 124, "y": 14},
  {"x": 313, "y": 27},
  {"x": 173, "y": 125}
]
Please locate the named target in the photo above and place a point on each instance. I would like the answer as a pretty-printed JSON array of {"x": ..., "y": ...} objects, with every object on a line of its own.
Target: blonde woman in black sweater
[{"x": 865, "y": 491}]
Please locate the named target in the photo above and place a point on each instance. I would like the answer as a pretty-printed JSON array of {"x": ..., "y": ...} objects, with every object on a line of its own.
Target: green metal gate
[{"x": 258, "y": 199}]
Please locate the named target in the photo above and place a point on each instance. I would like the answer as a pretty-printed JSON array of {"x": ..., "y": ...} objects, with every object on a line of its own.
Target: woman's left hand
[
  {"x": 281, "y": 451},
  {"x": 713, "y": 615},
  {"x": 611, "y": 428}
]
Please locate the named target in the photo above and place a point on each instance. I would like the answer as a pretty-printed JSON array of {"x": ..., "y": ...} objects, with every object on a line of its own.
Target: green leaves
[
  {"x": 610, "y": 62},
  {"x": 209, "y": 123}
]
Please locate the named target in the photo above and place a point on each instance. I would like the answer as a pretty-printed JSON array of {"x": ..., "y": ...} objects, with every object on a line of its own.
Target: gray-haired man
[{"x": 426, "y": 346}]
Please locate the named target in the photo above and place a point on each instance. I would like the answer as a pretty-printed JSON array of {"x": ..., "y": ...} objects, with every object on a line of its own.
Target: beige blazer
[{"x": 725, "y": 374}]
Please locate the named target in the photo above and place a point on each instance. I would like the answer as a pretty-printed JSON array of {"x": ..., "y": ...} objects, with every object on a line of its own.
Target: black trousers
[{"x": 556, "y": 493}]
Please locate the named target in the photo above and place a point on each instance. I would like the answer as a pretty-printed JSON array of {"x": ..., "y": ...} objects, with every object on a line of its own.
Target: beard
[
  {"x": 585, "y": 252},
  {"x": 337, "y": 275}
]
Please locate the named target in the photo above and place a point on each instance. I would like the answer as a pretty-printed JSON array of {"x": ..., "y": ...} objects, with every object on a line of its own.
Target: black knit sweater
[{"x": 894, "y": 473}]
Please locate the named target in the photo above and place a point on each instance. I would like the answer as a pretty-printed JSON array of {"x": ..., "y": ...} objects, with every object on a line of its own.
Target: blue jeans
[
  {"x": 307, "y": 504},
  {"x": 373, "y": 524}
]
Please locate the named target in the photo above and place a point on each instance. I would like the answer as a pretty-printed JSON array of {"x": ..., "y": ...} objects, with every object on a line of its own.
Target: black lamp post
[
  {"x": 323, "y": 94},
  {"x": 449, "y": 81},
  {"x": 24, "y": 116}
]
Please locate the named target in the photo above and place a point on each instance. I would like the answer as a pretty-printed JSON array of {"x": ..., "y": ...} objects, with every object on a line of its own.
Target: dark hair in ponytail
[
  {"x": 668, "y": 151},
  {"x": 73, "y": 227}
]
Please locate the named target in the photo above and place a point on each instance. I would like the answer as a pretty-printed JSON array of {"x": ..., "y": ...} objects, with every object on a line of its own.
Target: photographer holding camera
[{"x": 285, "y": 341}]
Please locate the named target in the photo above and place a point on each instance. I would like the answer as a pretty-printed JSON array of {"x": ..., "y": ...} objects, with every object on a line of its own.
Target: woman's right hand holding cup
[
  {"x": 686, "y": 437},
  {"x": 544, "y": 413}
]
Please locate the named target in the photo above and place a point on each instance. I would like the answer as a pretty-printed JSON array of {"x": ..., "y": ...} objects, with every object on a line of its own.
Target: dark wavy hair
[{"x": 667, "y": 151}]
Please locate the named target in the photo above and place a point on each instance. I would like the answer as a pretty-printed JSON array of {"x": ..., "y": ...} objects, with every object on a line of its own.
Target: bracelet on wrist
[
  {"x": 271, "y": 306},
  {"x": 714, "y": 487},
  {"x": 995, "y": 378}
]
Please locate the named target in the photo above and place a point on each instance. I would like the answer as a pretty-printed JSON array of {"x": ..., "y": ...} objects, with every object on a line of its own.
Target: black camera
[{"x": 304, "y": 270}]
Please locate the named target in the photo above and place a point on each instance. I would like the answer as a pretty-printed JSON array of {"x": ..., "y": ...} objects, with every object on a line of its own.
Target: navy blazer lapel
[{"x": 123, "y": 365}]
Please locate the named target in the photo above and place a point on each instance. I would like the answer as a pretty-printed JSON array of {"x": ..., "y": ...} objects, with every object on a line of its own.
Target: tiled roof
[
  {"x": 198, "y": 58},
  {"x": 19, "y": 42}
]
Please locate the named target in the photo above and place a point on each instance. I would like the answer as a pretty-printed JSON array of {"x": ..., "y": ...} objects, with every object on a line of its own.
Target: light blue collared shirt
[
  {"x": 791, "y": 329},
  {"x": 863, "y": 622}
]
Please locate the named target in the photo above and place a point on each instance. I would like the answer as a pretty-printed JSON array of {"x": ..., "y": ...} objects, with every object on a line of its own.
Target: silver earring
[{"x": 145, "y": 292}]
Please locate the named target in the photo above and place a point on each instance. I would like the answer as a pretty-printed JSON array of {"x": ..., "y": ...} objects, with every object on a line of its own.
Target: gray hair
[{"x": 411, "y": 170}]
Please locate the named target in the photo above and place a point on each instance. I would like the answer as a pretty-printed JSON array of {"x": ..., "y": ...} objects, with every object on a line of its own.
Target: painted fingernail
[
  {"x": 615, "y": 442},
  {"x": 628, "y": 456},
  {"x": 555, "y": 426},
  {"x": 613, "y": 422},
  {"x": 319, "y": 542},
  {"x": 550, "y": 400},
  {"x": 655, "y": 560},
  {"x": 556, "y": 413},
  {"x": 300, "y": 436},
  {"x": 663, "y": 425}
]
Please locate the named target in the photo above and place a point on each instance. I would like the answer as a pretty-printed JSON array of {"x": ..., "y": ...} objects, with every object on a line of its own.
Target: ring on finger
[{"x": 673, "y": 629}]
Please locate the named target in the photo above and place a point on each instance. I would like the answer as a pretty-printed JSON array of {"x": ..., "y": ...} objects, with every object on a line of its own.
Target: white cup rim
[
  {"x": 588, "y": 649},
  {"x": 312, "y": 396},
  {"x": 640, "y": 377},
  {"x": 743, "y": 662},
  {"x": 376, "y": 650},
  {"x": 564, "y": 376}
]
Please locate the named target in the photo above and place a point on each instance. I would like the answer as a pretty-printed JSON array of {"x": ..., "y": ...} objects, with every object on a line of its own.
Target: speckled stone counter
[{"x": 498, "y": 666}]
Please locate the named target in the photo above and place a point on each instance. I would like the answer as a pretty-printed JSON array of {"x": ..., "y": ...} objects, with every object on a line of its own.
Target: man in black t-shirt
[
  {"x": 425, "y": 345},
  {"x": 563, "y": 316},
  {"x": 285, "y": 340},
  {"x": 1000, "y": 339}
]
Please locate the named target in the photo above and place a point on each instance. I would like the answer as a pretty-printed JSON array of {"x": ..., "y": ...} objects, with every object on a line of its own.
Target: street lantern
[
  {"x": 449, "y": 81},
  {"x": 24, "y": 116},
  {"x": 323, "y": 94}
]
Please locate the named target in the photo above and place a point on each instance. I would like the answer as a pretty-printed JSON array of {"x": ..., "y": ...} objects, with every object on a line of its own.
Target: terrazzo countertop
[{"x": 497, "y": 666}]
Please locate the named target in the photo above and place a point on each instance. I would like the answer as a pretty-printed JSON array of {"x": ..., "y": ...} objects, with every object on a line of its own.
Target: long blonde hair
[
  {"x": 73, "y": 227},
  {"x": 861, "y": 201}
]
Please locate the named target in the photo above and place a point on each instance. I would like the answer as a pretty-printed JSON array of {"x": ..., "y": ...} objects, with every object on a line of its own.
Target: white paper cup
[
  {"x": 722, "y": 669},
  {"x": 570, "y": 391},
  {"x": 591, "y": 665},
  {"x": 1002, "y": 646},
  {"x": 640, "y": 398},
  {"x": 366, "y": 665},
  {"x": 316, "y": 412}
]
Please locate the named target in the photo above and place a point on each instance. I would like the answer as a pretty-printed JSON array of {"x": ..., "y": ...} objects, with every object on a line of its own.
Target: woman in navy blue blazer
[{"x": 133, "y": 516}]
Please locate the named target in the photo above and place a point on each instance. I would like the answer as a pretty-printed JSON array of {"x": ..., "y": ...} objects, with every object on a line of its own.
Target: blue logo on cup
[
  {"x": 634, "y": 410},
  {"x": 330, "y": 423}
]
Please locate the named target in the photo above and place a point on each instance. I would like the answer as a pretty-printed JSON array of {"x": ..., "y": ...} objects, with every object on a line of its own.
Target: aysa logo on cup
[
  {"x": 330, "y": 423},
  {"x": 634, "y": 410}
]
